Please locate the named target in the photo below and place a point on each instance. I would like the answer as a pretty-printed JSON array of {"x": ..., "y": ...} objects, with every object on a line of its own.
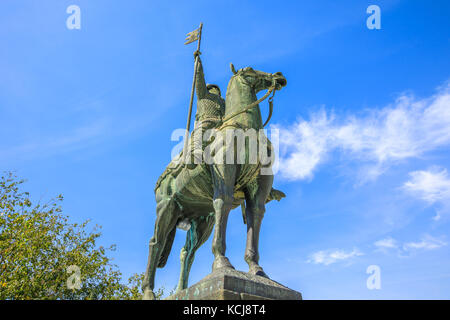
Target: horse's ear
[{"x": 232, "y": 68}]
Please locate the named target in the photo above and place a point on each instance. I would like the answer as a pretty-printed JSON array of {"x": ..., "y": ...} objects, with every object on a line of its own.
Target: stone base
[{"x": 230, "y": 284}]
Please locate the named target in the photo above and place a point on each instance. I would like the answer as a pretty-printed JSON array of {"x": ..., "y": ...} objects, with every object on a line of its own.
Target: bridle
[{"x": 272, "y": 89}]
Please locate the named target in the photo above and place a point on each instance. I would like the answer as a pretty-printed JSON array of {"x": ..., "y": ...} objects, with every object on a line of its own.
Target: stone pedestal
[{"x": 230, "y": 284}]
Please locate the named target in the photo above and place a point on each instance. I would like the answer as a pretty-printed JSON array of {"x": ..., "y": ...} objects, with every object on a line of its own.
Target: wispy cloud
[
  {"x": 432, "y": 186},
  {"x": 407, "y": 128},
  {"x": 77, "y": 138},
  {"x": 387, "y": 243},
  {"x": 327, "y": 257},
  {"x": 426, "y": 243}
]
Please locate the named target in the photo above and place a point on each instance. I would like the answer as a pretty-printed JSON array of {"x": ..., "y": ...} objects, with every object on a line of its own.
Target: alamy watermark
[
  {"x": 374, "y": 280},
  {"x": 229, "y": 146},
  {"x": 74, "y": 20},
  {"x": 374, "y": 20},
  {"x": 74, "y": 280}
]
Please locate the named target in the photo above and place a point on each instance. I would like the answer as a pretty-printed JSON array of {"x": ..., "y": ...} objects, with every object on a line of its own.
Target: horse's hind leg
[
  {"x": 167, "y": 247},
  {"x": 166, "y": 218},
  {"x": 199, "y": 232},
  {"x": 255, "y": 196}
]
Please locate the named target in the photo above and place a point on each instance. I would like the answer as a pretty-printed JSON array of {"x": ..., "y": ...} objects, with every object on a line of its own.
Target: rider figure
[
  {"x": 210, "y": 109},
  {"x": 210, "y": 104}
]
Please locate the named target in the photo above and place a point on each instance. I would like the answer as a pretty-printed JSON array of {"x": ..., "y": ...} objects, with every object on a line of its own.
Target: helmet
[{"x": 209, "y": 86}]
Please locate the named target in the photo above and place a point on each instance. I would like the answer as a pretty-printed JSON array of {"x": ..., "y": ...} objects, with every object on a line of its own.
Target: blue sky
[{"x": 364, "y": 123}]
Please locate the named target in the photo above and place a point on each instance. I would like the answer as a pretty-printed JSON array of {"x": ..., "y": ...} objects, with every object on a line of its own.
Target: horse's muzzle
[{"x": 280, "y": 79}]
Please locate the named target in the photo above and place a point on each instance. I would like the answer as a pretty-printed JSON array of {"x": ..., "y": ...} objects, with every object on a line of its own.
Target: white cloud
[
  {"x": 432, "y": 186},
  {"x": 387, "y": 243},
  {"x": 407, "y": 128},
  {"x": 327, "y": 257},
  {"x": 426, "y": 243}
]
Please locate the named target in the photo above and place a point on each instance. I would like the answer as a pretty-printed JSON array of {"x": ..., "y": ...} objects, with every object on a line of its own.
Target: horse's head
[{"x": 259, "y": 80}]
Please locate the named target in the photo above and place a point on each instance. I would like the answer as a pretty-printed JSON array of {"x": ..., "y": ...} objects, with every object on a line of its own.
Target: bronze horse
[{"x": 204, "y": 194}]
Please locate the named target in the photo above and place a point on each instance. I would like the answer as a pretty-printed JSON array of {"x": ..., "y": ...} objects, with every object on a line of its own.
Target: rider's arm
[{"x": 200, "y": 84}]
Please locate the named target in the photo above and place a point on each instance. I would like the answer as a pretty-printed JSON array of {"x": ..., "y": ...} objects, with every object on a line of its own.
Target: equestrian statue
[{"x": 198, "y": 196}]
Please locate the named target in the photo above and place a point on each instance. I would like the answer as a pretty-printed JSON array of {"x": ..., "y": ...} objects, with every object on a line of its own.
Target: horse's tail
[{"x": 275, "y": 195}]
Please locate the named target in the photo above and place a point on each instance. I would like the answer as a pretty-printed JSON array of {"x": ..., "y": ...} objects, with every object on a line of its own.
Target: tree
[{"x": 44, "y": 256}]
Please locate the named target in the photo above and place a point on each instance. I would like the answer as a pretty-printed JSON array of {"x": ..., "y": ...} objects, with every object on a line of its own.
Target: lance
[{"x": 191, "y": 37}]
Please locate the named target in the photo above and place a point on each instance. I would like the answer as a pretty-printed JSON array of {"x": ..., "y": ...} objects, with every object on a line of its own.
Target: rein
[
  {"x": 270, "y": 108},
  {"x": 254, "y": 104}
]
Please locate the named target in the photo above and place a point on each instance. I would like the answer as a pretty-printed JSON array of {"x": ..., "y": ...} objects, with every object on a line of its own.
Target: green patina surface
[{"x": 202, "y": 195}]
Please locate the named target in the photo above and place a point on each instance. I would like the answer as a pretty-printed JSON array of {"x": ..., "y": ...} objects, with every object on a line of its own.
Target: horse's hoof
[
  {"x": 221, "y": 262},
  {"x": 148, "y": 295},
  {"x": 258, "y": 271},
  {"x": 180, "y": 288}
]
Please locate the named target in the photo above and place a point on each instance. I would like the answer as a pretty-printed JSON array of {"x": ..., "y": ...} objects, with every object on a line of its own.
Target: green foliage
[{"x": 38, "y": 244}]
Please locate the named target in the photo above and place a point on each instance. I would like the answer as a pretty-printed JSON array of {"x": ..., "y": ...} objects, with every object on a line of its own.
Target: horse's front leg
[
  {"x": 255, "y": 197},
  {"x": 223, "y": 180}
]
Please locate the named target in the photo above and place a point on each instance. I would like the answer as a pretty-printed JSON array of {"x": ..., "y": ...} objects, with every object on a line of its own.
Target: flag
[{"x": 192, "y": 36}]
